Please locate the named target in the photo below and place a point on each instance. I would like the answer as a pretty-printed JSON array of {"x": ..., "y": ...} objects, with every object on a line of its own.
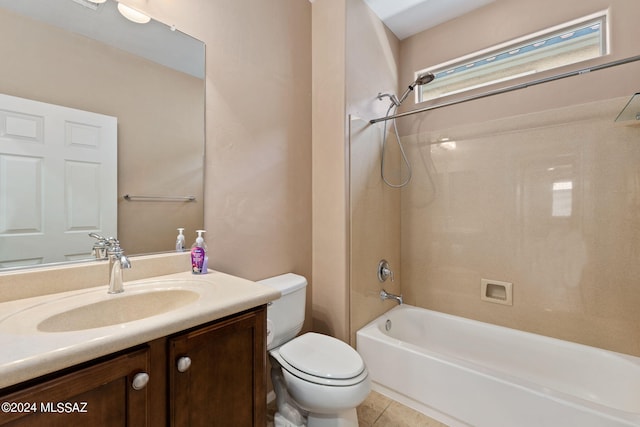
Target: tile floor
[{"x": 380, "y": 411}]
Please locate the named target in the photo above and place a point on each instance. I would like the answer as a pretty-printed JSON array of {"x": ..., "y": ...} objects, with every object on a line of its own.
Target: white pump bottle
[{"x": 180, "y": 242}]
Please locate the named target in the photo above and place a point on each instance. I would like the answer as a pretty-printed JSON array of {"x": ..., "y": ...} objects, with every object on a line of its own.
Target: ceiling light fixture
[
  {"x": 133, "y": 15},
  {"x": 90, "y": 4}
]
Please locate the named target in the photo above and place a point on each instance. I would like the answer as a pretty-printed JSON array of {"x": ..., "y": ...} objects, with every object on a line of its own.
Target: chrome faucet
[
  {"x": 117, "y": 261},
  {"x": 386, "y": 295}
]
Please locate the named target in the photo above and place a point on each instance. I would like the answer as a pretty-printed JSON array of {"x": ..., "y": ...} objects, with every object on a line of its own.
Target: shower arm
[{"x": 510, "y": 88}]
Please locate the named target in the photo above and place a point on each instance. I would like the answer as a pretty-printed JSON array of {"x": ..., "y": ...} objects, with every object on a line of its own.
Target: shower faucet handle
[{"x": 384, "y": 271}]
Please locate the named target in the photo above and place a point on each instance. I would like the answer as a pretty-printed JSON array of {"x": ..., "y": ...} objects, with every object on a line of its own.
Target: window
[{"x": 563, "y": 45}]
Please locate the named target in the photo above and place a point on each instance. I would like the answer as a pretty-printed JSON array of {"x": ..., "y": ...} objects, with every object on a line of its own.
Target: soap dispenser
[
  {"x": 180, "y": 245},
  {"x": 199, "y": 258}
]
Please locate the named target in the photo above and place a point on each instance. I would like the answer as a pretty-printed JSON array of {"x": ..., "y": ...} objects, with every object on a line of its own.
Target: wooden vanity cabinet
[
  {"x": 218, "y": 375},
  {"x": 223, "y": 385},
  {"x": 97, "y": 395}
]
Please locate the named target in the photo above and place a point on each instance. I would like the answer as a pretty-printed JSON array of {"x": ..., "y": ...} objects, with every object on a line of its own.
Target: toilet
[{"x": 318, "y": 380}]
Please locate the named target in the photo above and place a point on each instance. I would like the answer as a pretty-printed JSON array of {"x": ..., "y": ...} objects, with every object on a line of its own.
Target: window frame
[{"x": 600, "y": 18}]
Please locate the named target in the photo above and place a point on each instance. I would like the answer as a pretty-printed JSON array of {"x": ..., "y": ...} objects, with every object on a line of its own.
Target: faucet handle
[
  {"x": 98, "y": 237},
  {"x": 384, "y": 271},
  {"x": 99, "y": 249},
  {"x": 118, "y": 252},
  {"x": 114, "y": 244}
]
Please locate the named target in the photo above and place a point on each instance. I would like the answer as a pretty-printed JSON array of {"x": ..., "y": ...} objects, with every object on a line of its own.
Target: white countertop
[{"x": 27, "y": 352}]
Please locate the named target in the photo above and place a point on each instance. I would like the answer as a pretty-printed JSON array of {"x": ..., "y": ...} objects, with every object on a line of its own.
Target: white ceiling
[{"x": 408, "y": 17}]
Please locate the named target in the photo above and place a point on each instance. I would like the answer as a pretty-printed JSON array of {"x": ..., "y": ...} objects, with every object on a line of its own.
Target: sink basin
[
  {"x": 89, "y": 309},
  {"x": 117, "y": 310}
]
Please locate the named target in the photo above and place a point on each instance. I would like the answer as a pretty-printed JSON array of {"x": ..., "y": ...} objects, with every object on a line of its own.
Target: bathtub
[{"x": 468, "y": 373}]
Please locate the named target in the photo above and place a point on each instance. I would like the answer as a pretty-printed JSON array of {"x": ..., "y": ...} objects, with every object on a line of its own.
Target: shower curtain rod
[{"x": 510, "y": 88}]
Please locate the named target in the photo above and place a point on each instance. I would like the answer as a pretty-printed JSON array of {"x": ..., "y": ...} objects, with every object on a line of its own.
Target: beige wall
[
  {"x": 354, "y": 58},
  {"x": 258, "y": 130},
  {"x": 330, "y": 219},
  {"x": 59, "y": 67},
  {"x": 372, "y": 67},
  {"x": 486, "y": 208}
]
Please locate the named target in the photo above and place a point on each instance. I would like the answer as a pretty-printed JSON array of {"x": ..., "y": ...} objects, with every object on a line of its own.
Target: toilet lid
[{"x": 322, "y": 356}]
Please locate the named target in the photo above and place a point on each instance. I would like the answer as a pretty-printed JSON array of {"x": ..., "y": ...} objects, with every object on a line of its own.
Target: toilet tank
[{"x": 285, "y": 316}]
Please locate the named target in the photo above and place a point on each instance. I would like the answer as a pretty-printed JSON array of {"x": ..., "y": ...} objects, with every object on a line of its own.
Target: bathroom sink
[
  {"x": 94, "y": 308},
  {"x": 56, "y": 330},
  {"x": 117, "y": 310}
]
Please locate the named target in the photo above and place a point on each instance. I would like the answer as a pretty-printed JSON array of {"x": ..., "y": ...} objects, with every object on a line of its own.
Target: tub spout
[{"x": 386, "y": 295}]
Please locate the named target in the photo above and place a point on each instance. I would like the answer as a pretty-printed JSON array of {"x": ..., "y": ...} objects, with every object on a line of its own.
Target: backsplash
[{"x": 32, "y": 282}]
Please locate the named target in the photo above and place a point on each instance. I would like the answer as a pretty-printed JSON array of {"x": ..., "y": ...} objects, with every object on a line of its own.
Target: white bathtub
[{"x": 468, "y": 373}]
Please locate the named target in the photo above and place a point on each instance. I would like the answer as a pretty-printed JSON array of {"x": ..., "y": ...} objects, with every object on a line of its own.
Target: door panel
[{"x": 58, "y": 181}]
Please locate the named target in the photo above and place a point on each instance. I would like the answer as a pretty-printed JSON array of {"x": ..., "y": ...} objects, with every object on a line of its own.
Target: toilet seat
[{"x": 321, "y": 359}]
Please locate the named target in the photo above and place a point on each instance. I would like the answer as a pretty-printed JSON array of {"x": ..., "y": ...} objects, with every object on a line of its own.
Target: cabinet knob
[
  {"x": 140, "y": 381},
  {"x": 184, "y": 363}
]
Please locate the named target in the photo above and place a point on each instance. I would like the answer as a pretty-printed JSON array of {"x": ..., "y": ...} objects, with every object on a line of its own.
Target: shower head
[{"x": 422, "y": 79}]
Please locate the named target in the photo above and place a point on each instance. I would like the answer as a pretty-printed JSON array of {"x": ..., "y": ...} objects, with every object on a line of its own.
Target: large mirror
[{"x": 147, "y": 80}]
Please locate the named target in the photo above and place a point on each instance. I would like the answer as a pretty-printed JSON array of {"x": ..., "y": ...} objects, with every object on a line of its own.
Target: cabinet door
[
  {"x": 98, "y": 395},
  {"x": 225, "y": 383}
]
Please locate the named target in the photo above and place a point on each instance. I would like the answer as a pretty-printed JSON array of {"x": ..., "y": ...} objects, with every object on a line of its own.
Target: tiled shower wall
[{"x": 548, "y": 201}]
